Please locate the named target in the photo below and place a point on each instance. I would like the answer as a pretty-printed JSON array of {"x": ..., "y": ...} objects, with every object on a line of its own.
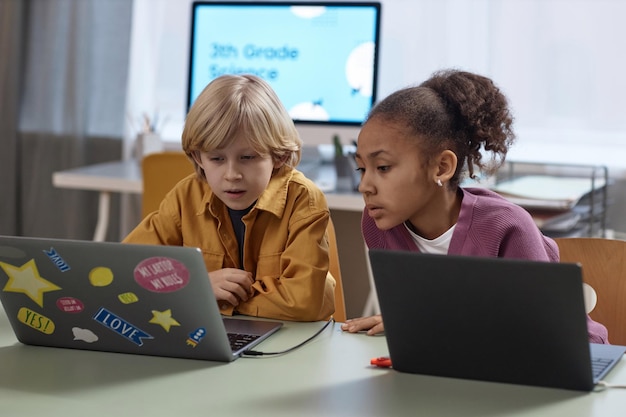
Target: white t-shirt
[{"x": 437, "y": 246}]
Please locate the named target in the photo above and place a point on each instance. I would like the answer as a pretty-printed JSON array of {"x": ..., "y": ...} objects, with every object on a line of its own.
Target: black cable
[{"x": 256, "y": 353}]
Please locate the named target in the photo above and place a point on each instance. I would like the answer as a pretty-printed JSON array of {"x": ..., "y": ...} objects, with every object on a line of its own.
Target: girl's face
[
  {"x": 395, "y": 183},
  {"x": 237, "y": 174}
]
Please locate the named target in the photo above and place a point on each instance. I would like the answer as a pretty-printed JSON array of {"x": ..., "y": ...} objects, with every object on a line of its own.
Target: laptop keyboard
[
  {"x": 598, "y": 365},
  {"x": 239, "y": 340}
]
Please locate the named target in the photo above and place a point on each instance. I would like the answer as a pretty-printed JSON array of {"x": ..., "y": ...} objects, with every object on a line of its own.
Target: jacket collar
[{"x": 273, "y": 199}]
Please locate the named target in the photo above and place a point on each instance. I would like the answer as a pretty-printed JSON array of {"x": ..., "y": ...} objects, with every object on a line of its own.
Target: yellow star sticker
[
  {"x": 26, "y": 279},
  {"x": 164, "y": 318}
]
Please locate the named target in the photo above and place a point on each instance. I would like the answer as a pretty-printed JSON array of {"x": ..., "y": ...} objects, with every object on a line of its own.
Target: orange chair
[
  {"x": 604, "y": 269},
  {"x": 335, "y": 270},
  {"x": 161, "y": 172}
]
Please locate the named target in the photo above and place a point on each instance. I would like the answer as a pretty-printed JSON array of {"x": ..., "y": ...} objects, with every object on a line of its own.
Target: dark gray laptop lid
[
  {"x": 142, "y": 299},
  {"x": 484, "y": 318}
]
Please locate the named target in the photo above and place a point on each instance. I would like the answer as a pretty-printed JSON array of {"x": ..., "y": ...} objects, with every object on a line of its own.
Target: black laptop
[{"x": 489, "y": 319}]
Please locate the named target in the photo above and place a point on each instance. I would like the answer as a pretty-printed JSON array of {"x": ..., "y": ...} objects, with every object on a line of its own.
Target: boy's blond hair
[{"x": 241, "y": 104}]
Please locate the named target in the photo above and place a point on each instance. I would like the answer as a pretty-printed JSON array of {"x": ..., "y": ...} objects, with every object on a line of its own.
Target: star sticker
[
  {"x": 164, "y": 318},
  {"x": 26, "y": 279}
]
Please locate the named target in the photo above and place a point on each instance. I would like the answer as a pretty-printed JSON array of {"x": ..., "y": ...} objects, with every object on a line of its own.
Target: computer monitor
[{"x": 321, "y": 58}]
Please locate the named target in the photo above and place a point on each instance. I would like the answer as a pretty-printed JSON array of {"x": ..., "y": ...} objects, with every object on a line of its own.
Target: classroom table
[
  {"x": 125, "y": 177},
  {"x": 105, "y": 178},
  {"x": 330, "y": 376}
]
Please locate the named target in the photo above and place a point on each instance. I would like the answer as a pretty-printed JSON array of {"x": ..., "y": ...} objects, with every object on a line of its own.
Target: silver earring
[{"x": 439, "y": 183}]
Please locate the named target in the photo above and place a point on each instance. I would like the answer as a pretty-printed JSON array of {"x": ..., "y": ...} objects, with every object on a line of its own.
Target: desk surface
[
  {"x": 125, "y": 177},
  {"x": 330, "y": 376},
  {"x": 116, "y": 176}
]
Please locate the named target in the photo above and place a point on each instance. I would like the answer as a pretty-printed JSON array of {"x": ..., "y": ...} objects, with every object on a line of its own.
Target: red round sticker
[
  {"x": 70, "y": 305},
  {"x": 160, "y": 274}
]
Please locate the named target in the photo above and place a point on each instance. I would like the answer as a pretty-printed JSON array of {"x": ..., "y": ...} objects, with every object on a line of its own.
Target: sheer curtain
[
  {"x": 561, "y": 64},
  {"x": 64, "y": 71}
]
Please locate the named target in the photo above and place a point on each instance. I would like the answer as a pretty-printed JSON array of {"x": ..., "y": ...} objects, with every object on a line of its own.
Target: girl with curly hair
[{"x": 413, "y": 151}]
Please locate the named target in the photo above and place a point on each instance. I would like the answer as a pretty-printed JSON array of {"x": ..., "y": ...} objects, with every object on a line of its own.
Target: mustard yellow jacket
[{"x": 285, "y": 245}]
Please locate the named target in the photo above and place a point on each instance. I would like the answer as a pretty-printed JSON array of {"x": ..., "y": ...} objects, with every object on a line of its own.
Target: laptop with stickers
[
  {"x": 490, "y": 319},
  {"x": 114, "y": 297}
]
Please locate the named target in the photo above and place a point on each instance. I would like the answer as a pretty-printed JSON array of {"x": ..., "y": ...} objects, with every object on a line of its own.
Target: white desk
[
  {"x": 106, "y": 178},
  {"x": 125, "y": 177},
  {"x": 330, "y": 376}
]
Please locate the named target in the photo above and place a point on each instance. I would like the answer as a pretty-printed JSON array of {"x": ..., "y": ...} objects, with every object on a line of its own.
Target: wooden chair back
[
  {"x": 604, "y": 268},
  {"x": 335, "y": 270},
  {"x": 160, "y": 172}
]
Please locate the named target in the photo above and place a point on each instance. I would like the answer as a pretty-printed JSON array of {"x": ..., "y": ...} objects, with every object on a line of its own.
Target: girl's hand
[{"x": 373, "y": 325}]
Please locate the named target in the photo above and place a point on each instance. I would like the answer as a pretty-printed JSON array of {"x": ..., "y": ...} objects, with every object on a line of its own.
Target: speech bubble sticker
[
  {"x": 85, "y": 335},
  {"x": 101, "y": 276},
  {"x": 161, "y": 274},
  {"x": 35, "y": 320},
  {"x": 164, "y": 318},
  {"x": 128, "y": 298},
  {"x": 196, "y": 336},
  {"x": 70, "y": 305},
  {"x": 26, "y": 279}
]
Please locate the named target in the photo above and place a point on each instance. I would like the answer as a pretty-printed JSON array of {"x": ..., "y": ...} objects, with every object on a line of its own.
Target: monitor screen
[{"x": 321, "y": 58}]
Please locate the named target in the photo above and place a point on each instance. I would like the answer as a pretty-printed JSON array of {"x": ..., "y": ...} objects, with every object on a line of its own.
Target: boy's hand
[
  {"x": 373, "y": 325},
  {"x": 231, "y": 285}
]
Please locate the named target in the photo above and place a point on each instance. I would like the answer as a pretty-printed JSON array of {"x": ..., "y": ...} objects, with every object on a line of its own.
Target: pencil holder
[{"x": 147, "y": 143}]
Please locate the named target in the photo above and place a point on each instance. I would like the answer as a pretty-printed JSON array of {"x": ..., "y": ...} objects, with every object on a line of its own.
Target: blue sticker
[
  {"x": 196, "y": 336},
  {"x": 121, "y": 326},
  {"x": 57, "y": 260}
]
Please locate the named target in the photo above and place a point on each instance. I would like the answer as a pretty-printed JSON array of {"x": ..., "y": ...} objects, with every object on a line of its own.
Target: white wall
[{"x": 560, "y": 62}]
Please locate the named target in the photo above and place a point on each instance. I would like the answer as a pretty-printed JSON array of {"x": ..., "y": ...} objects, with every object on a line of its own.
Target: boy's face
[{"x": 237, "y": 174}]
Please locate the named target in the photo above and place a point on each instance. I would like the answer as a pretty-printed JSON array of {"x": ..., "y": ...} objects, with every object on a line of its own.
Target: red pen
[{"x": 381, "y": 362}]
